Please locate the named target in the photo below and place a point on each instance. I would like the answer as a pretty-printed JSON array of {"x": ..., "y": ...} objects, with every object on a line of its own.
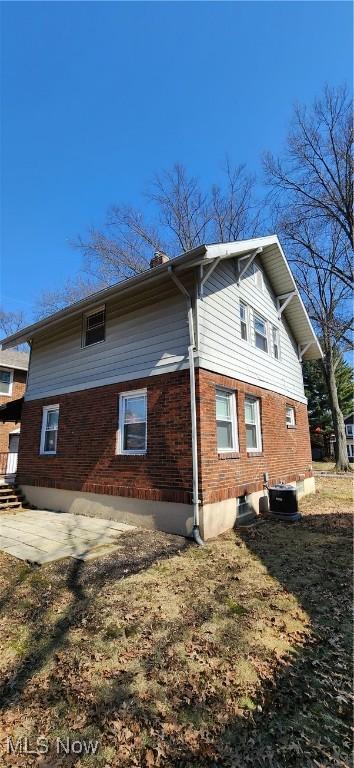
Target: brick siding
[
  {"x": 18, "y": 390},
  {"x": 286, "y": 453},
  {"x": 86, "y": 459}
]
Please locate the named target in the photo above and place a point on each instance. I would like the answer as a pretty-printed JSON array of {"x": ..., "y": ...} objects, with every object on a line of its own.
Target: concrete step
[{"x": 10, "y": 505}]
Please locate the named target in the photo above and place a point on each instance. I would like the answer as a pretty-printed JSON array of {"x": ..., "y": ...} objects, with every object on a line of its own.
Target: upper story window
[
  {"x": 349, "y": 430},
  {"x": 244, "y": 321},
  {"x": 258, "y": 277},
  {"x": 49, "y": 434},
  {"x": 253, "y": 424},
  {"x": 275, "y": 340},
  {"x": 6, "y": 379},
  {"x": 260, "y": 332},
  {"x": 132, "y": 434},
  {"x": 94, "y": 327},
  {"x": 290, "y": 416},
  {"x": 226, "y": 421}
]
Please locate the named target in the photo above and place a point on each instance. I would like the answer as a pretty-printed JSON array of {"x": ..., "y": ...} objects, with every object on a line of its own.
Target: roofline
[
  {"x": 13, "y": 367},
  {"x": 25, "y": 334},
  {"x": 190, "y": 258}
]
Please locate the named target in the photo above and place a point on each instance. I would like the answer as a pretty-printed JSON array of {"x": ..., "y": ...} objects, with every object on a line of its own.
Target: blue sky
[{"x": 96, "y": 97}]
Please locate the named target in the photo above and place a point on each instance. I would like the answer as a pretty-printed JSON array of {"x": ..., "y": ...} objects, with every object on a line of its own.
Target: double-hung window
[
  {"x": 49, "y": 434},
  {"x": 260, "y": 332},
  {"x": 253, "y": 424},
  {"x": 6, "y": 377},
  {"x": 290, "y": 416},
  {"x": 349, "y": 430},
  {"x": 275, "y": 340},
  {"x": 244, "y": 320},
  {"x": 226, "y": 421},
  {"x": 94, "y": 327},
  {"x": 132, "y": 433}
]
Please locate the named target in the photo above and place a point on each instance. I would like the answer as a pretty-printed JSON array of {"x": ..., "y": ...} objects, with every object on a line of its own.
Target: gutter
[{"x": 191, "y": 349}]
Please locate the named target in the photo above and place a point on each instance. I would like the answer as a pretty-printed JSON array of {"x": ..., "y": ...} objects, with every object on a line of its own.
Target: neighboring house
[
  {"x": 349, "y": 433},
  {"x": 168, "y": 399},
  {"x": 13, "y": 374}
]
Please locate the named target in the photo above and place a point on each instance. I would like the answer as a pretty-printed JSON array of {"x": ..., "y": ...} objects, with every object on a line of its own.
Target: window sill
[
  {"x": 131, "y": 455},
  {"x": 291, "y": 426},
  {"x": 228, "y": 455},
  {"x": 251, "y": 454}
]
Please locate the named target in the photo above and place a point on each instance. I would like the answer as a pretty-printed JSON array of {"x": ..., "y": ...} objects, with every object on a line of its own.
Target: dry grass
[{"x": 235, "y": 654}]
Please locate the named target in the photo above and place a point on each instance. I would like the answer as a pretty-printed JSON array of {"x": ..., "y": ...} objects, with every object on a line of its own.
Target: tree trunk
[{"x": 340, "y": 446}]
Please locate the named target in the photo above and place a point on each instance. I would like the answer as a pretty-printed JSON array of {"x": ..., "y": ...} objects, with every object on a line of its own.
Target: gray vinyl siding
[
  {"x": 221, "y": 348},
  {"x": 140, "y": 341}
]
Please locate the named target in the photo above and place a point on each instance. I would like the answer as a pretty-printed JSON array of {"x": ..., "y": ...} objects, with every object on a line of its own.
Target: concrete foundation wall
[{"x": 156, "y": 515}]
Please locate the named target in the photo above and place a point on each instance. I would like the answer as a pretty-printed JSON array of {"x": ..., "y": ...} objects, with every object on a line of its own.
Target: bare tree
[
  {"x": 328, "y": 300},
  {"x": 10, "y": 322},
  {"x": 181, "y": 215},
  {"x": 314, "y": 178}
]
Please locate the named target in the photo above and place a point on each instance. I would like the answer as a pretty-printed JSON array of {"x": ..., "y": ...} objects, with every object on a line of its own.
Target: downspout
[{"x": 191, "y": 349}]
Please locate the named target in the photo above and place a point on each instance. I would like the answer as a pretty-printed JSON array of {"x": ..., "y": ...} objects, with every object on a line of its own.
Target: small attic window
[{"x": 94, "y": 327}]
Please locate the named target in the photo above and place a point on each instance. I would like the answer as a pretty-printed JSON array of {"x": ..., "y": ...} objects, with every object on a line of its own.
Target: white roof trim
[{"x": 200, "y": 255}]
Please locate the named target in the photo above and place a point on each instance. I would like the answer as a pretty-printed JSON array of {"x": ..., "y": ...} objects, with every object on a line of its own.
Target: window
[
  {"x": 6, "y": 377},
  {"x": 349, "y": 430},
  {"x": 258, "y": 277},
  {"x": 94, "y": 327},
  {"x": 260, "y": 331},
  {"x": 132, "y": 422},
  {"x": 275, "y": 339},
  {"x": 49, "y": 436},
  {"x": 244, "y": 320},
  {"x": 290, "y": 416},
  {"x": 350, "y": 450},
  {"x": 226, "y": 421},
  {"x": 253, "y": 424}
]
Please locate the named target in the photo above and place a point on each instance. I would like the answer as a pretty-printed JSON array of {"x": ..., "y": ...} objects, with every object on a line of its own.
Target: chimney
[{"x": 159, "y": 258}]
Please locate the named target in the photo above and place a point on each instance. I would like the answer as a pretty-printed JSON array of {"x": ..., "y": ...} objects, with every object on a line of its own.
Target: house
[
  {"x": 169, "y": 399},
  {"x": 349, "y": 433},
  {"x": 13, "y": 374}
]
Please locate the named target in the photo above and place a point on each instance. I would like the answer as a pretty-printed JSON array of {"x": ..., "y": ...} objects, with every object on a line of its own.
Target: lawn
[{"x": 235, "y": 654}]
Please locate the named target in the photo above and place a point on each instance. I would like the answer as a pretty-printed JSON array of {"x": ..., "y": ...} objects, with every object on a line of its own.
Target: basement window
[
  {"x": 132, "y": 432},
  {"x": 94, "y": 327},
  {"x": 49, "y": 434}
]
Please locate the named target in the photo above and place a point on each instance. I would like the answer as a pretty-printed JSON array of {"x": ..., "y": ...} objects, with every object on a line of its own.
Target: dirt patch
[{"x": 235, "y": 654}]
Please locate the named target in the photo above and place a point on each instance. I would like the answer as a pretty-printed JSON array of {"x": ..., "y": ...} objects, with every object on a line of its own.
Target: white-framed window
[
  {"x": 244, "y": 321},
  {"x": 260, "y": 332},
  {"x": 49, "y": 434},
  {"x": 290, "y": 416},
  {"x": 350, "y": 450},
  {"x": 253, "y": 424},
  {"x": 94, "y": 327},
  {"x": 349, "y": 430},
  {"x": 132, "y": 430},
  {"x": 226, "y": 421},
  {"x": 258, "y": 277},
  {"x": 6, "y": 379},
  {"x": 275, "y": 342}
]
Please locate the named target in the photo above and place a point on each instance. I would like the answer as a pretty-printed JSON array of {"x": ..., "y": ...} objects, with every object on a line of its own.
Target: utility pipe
[{"x": 191, "y": 349}]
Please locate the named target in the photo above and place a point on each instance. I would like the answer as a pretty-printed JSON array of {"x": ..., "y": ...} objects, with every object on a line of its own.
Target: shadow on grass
[{"x": 299, "y": 715}]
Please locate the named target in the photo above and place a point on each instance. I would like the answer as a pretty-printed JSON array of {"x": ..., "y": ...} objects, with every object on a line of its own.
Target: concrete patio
[{"x": 40, "y": 536}]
